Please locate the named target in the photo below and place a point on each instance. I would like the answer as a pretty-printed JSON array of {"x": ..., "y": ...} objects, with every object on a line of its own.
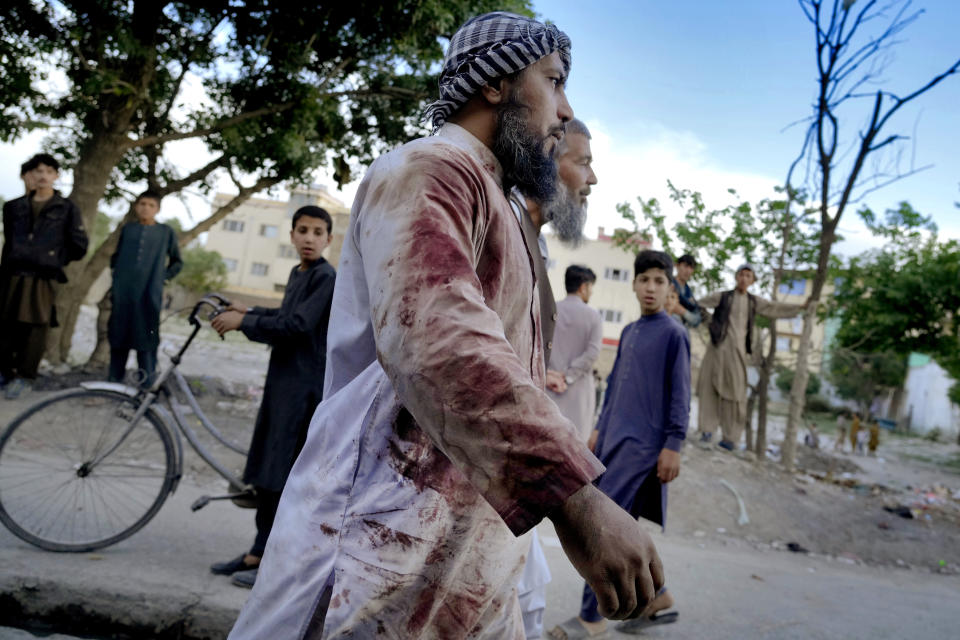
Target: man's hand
[
  {"x": 592, "y": 440},
  {"x": 668, "y": 466},
  {"x": 227, "y": 321},
  {"x": 611, "y": 551},
  {"x": 556, "y": 382},
  {"x": 238, "y": 306}
]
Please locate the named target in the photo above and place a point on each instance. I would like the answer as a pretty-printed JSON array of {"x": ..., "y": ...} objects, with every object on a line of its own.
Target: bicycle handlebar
[{"x": 217, "y": 303}]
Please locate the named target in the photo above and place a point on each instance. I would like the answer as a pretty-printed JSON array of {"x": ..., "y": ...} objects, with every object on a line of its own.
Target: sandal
[{"x": 573, "y": 630}]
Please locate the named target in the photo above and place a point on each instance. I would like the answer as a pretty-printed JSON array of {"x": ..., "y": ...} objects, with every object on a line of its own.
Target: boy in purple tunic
[{"x": 644, "y": 421}]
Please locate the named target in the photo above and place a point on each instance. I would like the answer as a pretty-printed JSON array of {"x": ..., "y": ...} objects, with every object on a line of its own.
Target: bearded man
[
  {"x": 436, "y": 448},
  {"x": 566, "y": 211}
]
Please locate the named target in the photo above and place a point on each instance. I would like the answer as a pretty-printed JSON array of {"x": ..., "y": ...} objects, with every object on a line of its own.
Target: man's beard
[
  {"x": 567, "y": 216},
  {"x": 521, "y": 152}
]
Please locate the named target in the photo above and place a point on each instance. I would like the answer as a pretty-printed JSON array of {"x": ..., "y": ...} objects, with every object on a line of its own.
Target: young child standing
[
  {"x": 297, "y": 332},
  {"x": 42, "y": 232},
  {"x": 147, "y": 256},
  {"x": 642, "y": 426}
]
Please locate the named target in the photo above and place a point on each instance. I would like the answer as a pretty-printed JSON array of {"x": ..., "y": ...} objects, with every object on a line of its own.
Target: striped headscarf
[{"x": 489, "y": 47}]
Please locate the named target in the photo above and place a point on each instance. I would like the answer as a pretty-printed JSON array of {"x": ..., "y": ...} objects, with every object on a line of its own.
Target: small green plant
[{"x": 933, "y": 435}]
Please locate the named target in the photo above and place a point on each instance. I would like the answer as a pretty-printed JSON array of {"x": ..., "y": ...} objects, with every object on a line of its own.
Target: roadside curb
[{"x": 74, "y": 607}]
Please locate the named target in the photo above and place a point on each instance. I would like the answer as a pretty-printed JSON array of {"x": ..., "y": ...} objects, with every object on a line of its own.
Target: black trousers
[
  {"x": 146, "y": 360},
  {"x": 21, "y": 348},
  {"x": 268, "y": 501}
]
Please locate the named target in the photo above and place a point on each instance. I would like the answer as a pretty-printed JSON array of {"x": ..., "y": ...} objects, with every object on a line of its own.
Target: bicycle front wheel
[{"x": 53, "y": 491}]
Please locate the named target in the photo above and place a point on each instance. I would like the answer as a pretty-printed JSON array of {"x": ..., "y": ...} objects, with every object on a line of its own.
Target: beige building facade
[
  {"x": 254, "y": 240},
  {"x": 613, "y": 295}
]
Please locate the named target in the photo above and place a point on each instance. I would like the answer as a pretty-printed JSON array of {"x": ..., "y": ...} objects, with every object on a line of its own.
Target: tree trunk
[
  {"x": 798, "y": 390},
  {"x": 748, "y": 427},
  {"x": 763, "y": 386},
  {"x": 100, "y": 358}
]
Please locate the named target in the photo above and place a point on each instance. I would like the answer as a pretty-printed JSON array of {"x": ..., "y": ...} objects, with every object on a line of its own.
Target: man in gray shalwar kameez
[
  {"x": 577, "y": 342},
  {"x": 147, "y": 256}
]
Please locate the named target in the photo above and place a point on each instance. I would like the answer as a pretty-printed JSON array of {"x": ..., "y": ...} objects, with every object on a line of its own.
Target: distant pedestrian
[
  {"x": 576, "y": 346},
  {"x": 297, "y": 331},
  {"x": 147, "y": 256},
  {"x": 840, "y": 444},
  {"x": 874, "y": 440},
  {"x": 43, "y": 231},
  {"x": 686, "y": 267},
  {"x": 854, "y": 432},
  {"x": 812, "y": 437}
]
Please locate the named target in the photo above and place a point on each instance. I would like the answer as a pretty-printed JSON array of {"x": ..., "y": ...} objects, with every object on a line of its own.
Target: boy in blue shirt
[{"x": 642, "y": 426}]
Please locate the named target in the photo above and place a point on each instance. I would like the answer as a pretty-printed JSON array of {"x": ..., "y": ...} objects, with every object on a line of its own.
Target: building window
[
  {"x": 797, "y": 325},
  {"x": 620, "y": 275},
  {"x": 611, "y": 315},
  {"x": 259, "y": 269},
  {"x": 783, "y": 345},
  {"x": 287, "y": 251},
  {"x": 279, "y": 288},
  {"x": 268, "y": 230},
  {"x": 233, "y": 225},
  {"x": 793, "y": 287},
  {"x": 230, "y": 263}
]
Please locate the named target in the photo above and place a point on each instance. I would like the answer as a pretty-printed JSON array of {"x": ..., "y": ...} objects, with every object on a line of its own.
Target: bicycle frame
[{"x": 160, "y": 399}]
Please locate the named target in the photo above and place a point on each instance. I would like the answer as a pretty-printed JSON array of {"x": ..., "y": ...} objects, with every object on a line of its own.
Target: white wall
[{"x": 926, "y": 396}]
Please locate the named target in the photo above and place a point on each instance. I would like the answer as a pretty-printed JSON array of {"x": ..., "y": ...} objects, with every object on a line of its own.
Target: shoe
[
  {"x": 245, "y": 578},
  {"x": 726, "y": 444},
  {"x": 16, "y": 387},
  {"x": 706, "y": 436},
  {"x": 230, "y": 567}
]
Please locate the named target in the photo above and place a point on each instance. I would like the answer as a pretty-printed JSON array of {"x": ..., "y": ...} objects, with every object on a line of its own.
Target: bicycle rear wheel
[{"x": 53, "y": 497}]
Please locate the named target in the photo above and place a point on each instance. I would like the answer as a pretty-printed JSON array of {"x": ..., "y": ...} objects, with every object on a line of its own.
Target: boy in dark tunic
[
  {"x": 644, "y": 421},
  {"x": 297, "y": 331},
  {"x": 43, "y": 231},
  {"x": 147, "y": 256}
]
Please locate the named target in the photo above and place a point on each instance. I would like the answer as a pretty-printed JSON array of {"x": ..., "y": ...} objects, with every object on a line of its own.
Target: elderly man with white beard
[{"x": 566, "y": 212}]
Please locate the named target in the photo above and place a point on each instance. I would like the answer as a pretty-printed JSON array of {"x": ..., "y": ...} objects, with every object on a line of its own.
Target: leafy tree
[
  {"x": 784, "y": 381},
  {"x": 903, "y": 297},
  {"x": 853, "y": 41},
  {"x": 861, "y": 377},
  {"x": 203, "y": 270},
  {"x": 271, "y": 90}
]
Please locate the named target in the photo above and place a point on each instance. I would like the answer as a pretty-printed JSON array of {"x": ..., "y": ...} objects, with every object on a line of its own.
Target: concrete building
[
  {"x": 613, "y": 295},
  {"x": 796, "y": 290},
  {"x": 254, "y": 240}
]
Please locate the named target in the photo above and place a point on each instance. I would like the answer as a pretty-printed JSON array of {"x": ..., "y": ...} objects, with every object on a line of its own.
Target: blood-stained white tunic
[{"x": 435, "y": 446}]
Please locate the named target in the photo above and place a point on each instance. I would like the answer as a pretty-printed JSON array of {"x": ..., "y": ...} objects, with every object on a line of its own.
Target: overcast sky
[{"x": 701, "y": 92}]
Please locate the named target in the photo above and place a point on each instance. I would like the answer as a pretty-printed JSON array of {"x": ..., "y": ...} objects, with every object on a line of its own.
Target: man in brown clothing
[{"x": 722, "y": 387}]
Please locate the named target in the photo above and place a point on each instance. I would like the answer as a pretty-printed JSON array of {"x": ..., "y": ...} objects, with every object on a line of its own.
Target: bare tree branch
[
  {"x": 219, "y": 126},
  {"x": 177, "y": 185},
  {"x": 245, "y": 194}
]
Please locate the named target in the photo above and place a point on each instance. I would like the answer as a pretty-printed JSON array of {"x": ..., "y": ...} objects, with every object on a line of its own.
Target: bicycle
[{"x": 89, "y": 467}]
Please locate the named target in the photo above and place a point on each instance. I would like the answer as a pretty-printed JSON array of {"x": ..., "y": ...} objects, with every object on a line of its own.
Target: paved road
[{"x": 159, "y": 579}]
